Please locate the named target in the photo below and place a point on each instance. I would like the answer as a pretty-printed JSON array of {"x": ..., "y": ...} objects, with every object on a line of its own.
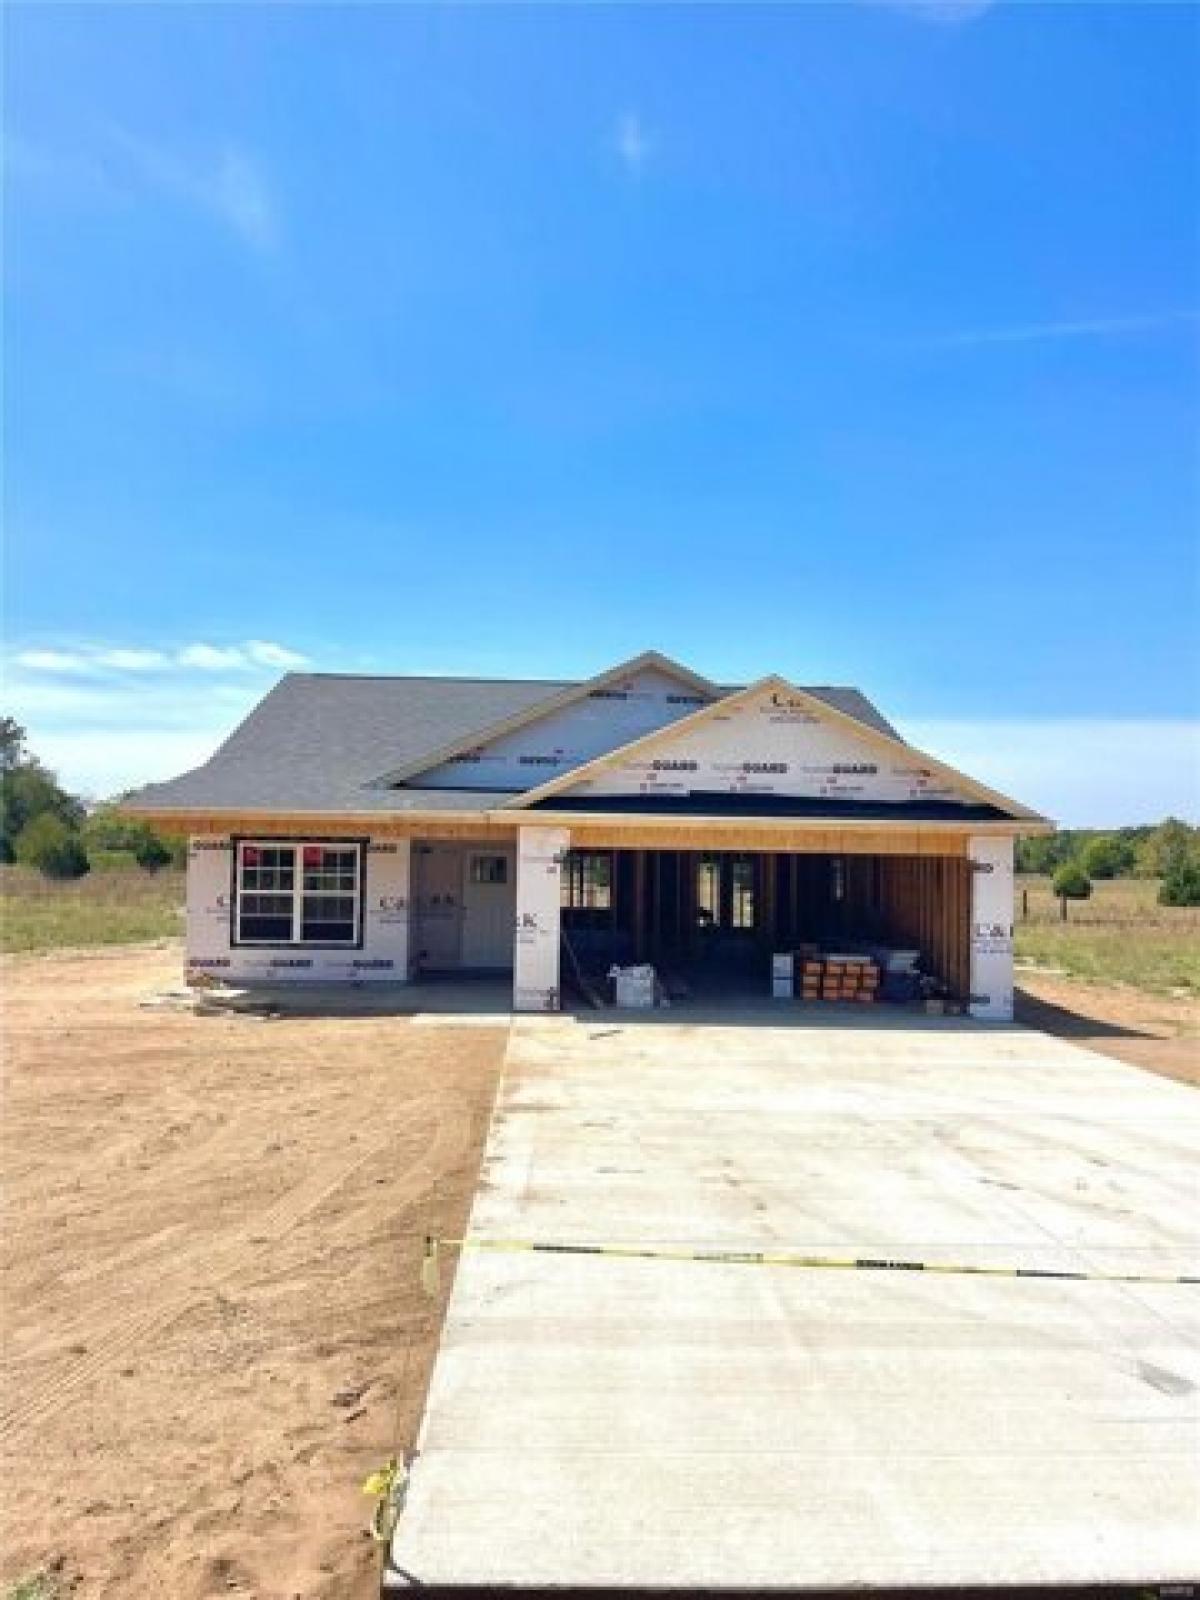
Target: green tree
[
  {"x": 1166, "y": 846},
  {"x": 27, "y": 791},
  {"x": 48, "y": 844},
  {"x": 12, "y": 743},
  {"x": 1043, "y": 854},
  {"x": 1181, "y": 884},
  {"x": 151, "y": 852},
  {"x": 1071, "y": 882},
  {"x": 1106, "y": 856},
  {"x": 107, "y": 829}
]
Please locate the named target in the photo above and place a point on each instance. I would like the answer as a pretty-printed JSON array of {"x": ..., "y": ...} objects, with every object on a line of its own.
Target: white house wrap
[
  {"x": 991, "y": 928},
  {"x": 540, "y": 853},
  {"x": 361, "y": 829},
  {"x": 380, "y": 953}
]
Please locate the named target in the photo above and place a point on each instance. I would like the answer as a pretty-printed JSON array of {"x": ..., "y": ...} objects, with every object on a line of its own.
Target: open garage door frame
[{"x": 689, "y": 908}]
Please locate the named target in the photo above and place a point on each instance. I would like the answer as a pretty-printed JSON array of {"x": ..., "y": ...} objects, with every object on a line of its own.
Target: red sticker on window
[
  {"x": 313, "y": 855},
  {"x": 250, "y": 855}
]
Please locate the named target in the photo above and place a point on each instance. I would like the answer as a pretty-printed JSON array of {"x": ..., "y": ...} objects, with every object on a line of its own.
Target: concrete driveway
[{"x": 649, "y": 1424}]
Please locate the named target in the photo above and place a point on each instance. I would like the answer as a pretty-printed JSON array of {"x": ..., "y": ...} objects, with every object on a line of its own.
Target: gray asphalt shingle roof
[{"x": 318, "y": 741}]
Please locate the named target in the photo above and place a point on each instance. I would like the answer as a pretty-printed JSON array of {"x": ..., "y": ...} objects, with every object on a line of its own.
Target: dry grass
[
  {"x": 1120, "y": 935},
  {"x": 106, "y": 907}
]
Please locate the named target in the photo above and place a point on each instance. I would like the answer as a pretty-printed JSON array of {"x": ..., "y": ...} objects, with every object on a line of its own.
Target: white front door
[
  {"x": 490, "y": 907},
  {"x": 438, "y": 878}
]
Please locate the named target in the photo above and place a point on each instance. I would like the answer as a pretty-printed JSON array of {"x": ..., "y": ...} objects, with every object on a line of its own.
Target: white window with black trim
[{"x": 298, "y": 893}]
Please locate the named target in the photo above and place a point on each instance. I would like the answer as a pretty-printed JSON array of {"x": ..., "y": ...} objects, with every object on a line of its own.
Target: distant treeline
[
  {"x": 42, "y": 825},
  {"x": 1147, "y": 852}
]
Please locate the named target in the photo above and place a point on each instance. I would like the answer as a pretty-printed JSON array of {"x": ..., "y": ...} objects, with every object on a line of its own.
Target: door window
[{"x": 489, "y": 869}]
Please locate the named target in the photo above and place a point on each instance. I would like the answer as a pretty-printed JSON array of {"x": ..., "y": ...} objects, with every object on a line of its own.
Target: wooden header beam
[{"x": 594, "y": 830}]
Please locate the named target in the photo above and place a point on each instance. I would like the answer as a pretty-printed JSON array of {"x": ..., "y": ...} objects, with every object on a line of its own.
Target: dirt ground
[
  {"x": 1158, "y": 1032},
  {"x": 212, "y": 1320},
  {"x": 213, "y": 1324}
]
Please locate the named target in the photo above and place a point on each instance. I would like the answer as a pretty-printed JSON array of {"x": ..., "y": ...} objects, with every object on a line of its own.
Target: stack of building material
[
  {"x": 834, "y": 977},
  {"x": 811, "y": 969}
]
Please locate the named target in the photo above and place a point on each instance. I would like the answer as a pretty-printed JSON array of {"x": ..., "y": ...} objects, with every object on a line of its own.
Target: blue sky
[{"x": 855, "y": 342}]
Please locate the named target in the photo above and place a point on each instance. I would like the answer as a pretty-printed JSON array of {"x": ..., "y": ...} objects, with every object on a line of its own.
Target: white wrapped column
[
  {"x": 991, "y": 928},
  {"x": 209, "y": 898},
  {"x": 386, "y": 913},
  {"x": 540, "y": 853}
]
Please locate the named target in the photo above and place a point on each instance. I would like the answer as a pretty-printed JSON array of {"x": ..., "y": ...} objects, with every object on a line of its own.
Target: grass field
[
  {"x": 1120, "y": 935},
  {"x": 114, "y": 906}
]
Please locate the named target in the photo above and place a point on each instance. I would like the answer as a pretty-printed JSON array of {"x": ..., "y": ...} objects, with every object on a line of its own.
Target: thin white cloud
[
  {"x": 91, "y": 661},
  {"x": 227, "y": 184},
  {"x": 1082, "y": 328},
  {"x": 55, "y": 661},
  {"x": 127, "y": 660},
  {"x": 631, "y": 142},
  {"x": 76, "y": 176},
  {"x": 213, "y": 658},
  {"x": 268, "y": 654},
  {"x": 239, "y": 657},
  {"x": 108, "y": 718},
  {"x": 237, "y": 191}
]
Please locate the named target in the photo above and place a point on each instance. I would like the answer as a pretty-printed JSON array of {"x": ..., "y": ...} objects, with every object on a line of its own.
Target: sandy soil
[
  {"x": 213, "y": 1325},
  {"x": 1158, "y": 1032}
]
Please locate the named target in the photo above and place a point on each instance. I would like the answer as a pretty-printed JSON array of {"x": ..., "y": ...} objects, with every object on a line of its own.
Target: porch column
[
  {"x": 386, "y": 909},
  {"x": 540, "y": 853},
  {"x": 209, "y": 879},
  {"x": 991, "y": 928}
]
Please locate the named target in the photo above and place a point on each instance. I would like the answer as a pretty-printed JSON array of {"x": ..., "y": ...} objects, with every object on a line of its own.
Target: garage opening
[{"x": 711, "y": 921}]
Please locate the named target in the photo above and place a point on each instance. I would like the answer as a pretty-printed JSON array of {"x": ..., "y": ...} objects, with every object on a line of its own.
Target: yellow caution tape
[
  {"x": 431, "y": 1280},
  {"x": 380, "y": 1483},
  {"x": 431, "y": 1275},
  {"x": 385, "y": 1487}
]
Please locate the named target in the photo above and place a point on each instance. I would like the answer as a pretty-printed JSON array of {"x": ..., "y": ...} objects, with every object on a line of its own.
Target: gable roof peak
[
  {"x": 822, "y": 709},
  {"x": 568, "y": 694}
]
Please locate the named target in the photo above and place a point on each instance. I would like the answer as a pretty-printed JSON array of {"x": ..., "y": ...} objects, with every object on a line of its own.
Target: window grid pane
[
  {"x": 267, "y": 905},
  {"x": 296, "y": 894},
  {"x": 266, "y": 930}
]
